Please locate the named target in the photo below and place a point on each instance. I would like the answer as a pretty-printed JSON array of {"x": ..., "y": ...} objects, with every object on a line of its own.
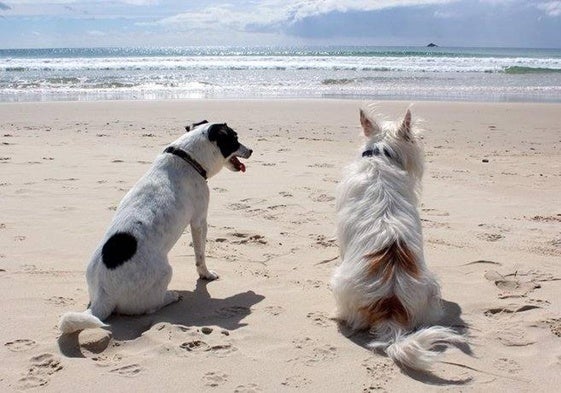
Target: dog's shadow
[
  {"x": 195, "y": 308},
  {"x": 452, "y": 318}
]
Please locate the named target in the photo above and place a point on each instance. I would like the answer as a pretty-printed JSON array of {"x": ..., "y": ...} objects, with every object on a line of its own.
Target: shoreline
[
  {"x": 491, "y": 234},
  {"x": 328, "y": 97}
]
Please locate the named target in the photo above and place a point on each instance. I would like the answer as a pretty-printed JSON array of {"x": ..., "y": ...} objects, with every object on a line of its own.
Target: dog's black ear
[
  {"x": 369, "y": 126},
  {"x": 192, "y": 126},
  {"x": 405, "y": 127},
  {"x": 215, "y": 130}
]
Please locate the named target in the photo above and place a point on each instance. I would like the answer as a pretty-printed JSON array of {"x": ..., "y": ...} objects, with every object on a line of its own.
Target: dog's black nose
[{"x": 250, "y": 152}]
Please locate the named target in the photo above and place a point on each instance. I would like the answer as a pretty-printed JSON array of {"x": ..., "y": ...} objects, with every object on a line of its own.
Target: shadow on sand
[
  {"x": 195, "y": 308},
  {"x": 451, "y": 318}
]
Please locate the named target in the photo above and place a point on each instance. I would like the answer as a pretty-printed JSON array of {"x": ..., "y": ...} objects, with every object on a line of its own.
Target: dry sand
[{"x": 492, "y": 235}]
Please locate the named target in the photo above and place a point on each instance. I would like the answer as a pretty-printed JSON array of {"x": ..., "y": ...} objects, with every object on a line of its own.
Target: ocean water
[{"x": 470, "y": 74}]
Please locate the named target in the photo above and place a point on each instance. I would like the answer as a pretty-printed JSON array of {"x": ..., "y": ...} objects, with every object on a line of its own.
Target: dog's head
[
  {"x": 395, "y": 142},
  {"x": 216, "y": 145}
]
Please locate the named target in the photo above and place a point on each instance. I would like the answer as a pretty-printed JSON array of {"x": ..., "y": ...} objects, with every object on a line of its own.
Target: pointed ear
[
  {"x": 194, "y": 125},
  {"x": 405, "y": 127},
  {"x": 369, "y": 126}
]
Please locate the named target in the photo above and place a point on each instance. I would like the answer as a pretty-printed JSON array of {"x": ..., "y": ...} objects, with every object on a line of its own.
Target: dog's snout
[{"x": 250, "y": 152}]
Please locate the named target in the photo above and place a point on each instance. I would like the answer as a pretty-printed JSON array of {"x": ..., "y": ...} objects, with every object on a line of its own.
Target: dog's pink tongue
[{"x": 238, "y": 164}]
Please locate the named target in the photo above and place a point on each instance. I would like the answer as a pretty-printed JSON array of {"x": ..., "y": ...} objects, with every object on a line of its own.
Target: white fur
[
  {"x": 377, "y": 206},
  {"x": 170, "y": 196}
]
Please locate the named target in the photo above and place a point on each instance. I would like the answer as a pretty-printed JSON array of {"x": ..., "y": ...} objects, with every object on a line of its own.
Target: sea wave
[
  {"x": 114, "y": 73},
  {"x": 514, "y": 70}
]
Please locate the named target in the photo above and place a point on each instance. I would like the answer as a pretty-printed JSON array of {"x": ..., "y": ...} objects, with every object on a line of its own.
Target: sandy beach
[{"x": 491, "y": 217}]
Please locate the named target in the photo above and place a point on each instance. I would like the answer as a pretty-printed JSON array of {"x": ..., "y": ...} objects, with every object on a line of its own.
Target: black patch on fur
[
  {"x": 189, "y": 128},
  {"x": 225, "y": 138},
  {"x": 118, "y": 249},
  {"x": 387, "y": 153}
]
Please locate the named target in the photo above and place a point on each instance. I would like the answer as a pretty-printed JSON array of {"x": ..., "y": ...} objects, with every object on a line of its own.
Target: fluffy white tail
[
  {"x": 75, "y": 321},
  {"x": 416, "y": 350}
]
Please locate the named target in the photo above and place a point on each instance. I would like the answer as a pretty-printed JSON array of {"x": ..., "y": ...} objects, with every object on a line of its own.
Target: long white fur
[
  {"x": 170, "y": 196},
  {"x": 376, "y": 206}
]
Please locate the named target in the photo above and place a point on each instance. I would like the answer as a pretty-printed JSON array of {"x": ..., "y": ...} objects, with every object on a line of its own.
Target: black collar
[
  {"x": 187, "y": 158},
  {"x": 376, "y": 152}
]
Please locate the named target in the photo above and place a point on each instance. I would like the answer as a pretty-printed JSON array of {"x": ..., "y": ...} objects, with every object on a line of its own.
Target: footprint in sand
[
  {"x": 323, "y": 241},
  {"x": 296, "y": 381},
  {"x": 107, "y": 360},
  {"x": 238, "y": 206},
  {"x": 554, "y": 325},
  {"x": 41, "y": 368},
  {"x": 507, "y": 365},
  {"x": 130, "y": 370},
  {"x": 511, "y": 309},
  {"x": 380, "y": 372},
  {"x": 249, "y": 388},
  {"x": 319, "y": 318},
  {"x": 274, "y": 310},
  {"x": 321, "y": 165},
  {"x": 244, "y": 238},
  {"x": 222, "y": 350},
  {"x": 45, "y": 364},
  {"x": 314, "y": 352},
  {"x": 285, "y": 194},
  {"x": 434, "y": 224},
  {"x": 512, "y": 285},
  {"x": 435, "y": 212},
  {"x": 513, "y": 337},
  {"x": 215, "y": 378},
  {"x": 490, "y": 237},
  {"x": 232, "y": 311},
  {"x": 20, "y": 345},
  {"x": 60, "y": 301},
  {"x": 195, "y": 346},
  {"x": 309, "y": 283},
  {"x": 322, "y": 198},
  {"x": 31, "y": 382},
  {"x": 219, "y": 350},
  {"x": 553, "y": 218}
]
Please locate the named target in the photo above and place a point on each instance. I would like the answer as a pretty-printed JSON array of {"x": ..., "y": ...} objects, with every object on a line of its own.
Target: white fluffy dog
[
  {"x": 129, "y": 272},
  {"x": 383, "y": 283}
]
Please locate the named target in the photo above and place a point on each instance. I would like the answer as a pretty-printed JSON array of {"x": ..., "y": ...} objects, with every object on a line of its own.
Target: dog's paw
[{"x": 208, "y": 275}]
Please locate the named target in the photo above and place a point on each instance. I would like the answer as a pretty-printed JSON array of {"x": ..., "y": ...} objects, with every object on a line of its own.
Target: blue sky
[{"x": 89, "y": 23}]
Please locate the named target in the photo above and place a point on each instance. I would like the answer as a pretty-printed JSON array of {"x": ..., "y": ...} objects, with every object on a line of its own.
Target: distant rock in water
[{"x": 432, "y": 45}]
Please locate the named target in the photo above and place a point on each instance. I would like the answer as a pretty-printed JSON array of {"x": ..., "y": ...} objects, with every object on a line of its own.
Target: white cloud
[
  {"x": 81, "y": 2},
  {"x": 246, "y": 15},
  {"x": 97, "y": 33},
  {"x": 445, "y": 14},
  {"x": 551, "y": 8}
]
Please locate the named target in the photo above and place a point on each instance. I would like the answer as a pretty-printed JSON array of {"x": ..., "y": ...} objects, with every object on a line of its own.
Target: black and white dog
[{"x": 129, "y": 272}]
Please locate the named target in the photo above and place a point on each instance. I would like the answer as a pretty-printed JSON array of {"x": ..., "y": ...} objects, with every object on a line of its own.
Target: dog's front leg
[{"x": 198, "y": 231}]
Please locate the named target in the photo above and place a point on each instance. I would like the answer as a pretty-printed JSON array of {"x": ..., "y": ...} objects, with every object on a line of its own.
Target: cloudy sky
[{"x": 87, "y": 23}]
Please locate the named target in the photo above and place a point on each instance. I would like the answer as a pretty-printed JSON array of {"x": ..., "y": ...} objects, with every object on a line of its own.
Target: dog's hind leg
[
  {"x": 198, "y": 231},
  {"x": 101, "y": 306}
]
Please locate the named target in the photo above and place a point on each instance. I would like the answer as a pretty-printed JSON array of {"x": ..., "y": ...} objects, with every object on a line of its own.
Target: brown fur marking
[
  {"x": 386, "y": 309},
  {"x": 384, "y": 263},
  {"x": 387, "y": 259}
]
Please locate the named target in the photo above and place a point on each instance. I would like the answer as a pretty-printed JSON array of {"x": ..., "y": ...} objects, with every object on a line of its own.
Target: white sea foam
[{"x": 343, "y": 72}]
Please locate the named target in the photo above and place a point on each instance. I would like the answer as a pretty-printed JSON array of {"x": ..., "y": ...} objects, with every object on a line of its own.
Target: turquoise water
[{"x": 416, "y": 73}]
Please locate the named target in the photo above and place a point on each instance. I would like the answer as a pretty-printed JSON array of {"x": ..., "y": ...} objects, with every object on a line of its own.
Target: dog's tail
[
  {"x": 72, "y": 321},
  {"x": 417, "y": 350},
  {"x": 75, "y": 321}
]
